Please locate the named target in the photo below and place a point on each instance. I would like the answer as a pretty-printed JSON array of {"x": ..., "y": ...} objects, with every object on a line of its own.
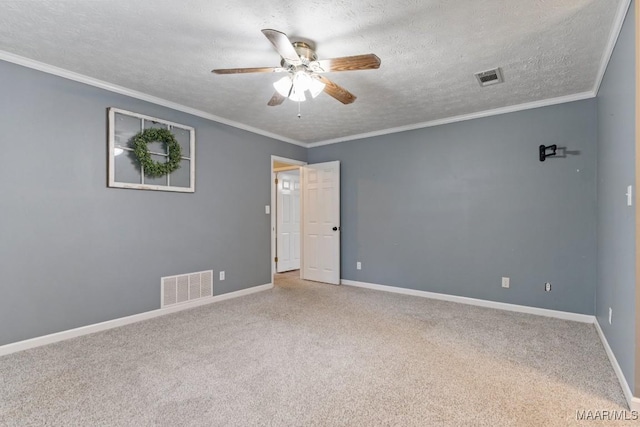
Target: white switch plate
[
  {"x": 222, "y": 275},
  {"x": 630, "y": 195},
  {"x": 505, "y": 282},
  {"x": 358, "y": 265},
  {"x": 267, "y": 209}
]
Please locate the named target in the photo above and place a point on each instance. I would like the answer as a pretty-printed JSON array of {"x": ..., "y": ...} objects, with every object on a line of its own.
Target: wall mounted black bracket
[{"x": 543, "y": 151}]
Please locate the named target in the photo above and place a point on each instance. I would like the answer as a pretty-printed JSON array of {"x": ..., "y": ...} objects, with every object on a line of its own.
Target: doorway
[
  {"x": 318, "y": 216},
  {"x": 285, "y": 216},
  {"x": 287, "y": 220}
]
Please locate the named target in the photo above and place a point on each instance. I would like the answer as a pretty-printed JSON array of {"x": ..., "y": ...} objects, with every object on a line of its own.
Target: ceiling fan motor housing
[
  {"x": 305, "y": 50},
  {"x": 307, "y": 55}
]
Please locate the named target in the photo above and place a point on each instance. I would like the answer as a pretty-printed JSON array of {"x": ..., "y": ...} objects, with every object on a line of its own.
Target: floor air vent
[
  {"x": 186, "y": 287},
  {"x": 490, "y": 77}
]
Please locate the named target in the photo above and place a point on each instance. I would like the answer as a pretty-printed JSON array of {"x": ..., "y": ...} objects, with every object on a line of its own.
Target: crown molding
[
  {"x": 464, "y": 117},
  {"x": 81, "y": 78},
  {"x": 623, "y": 7}
]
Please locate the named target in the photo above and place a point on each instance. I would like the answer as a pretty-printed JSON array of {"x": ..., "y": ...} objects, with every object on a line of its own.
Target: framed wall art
[{"x": 148, "y": 153}]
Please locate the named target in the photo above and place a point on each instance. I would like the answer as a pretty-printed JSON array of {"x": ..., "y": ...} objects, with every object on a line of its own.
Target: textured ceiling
[{"x": 429, "y": 50}]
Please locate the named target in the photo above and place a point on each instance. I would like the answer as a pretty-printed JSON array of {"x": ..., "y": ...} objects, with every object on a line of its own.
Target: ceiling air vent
[{"x": 490, "y": 77}]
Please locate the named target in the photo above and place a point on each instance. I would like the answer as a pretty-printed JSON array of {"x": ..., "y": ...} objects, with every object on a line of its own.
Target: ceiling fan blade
[
  {"x": 248, "y": 70},
  {"x": 349, "y": 63},
  {"x": 276, "y": 99},
  {"x": 283, "y": 46},
  {"x": 338, "y": 92}
]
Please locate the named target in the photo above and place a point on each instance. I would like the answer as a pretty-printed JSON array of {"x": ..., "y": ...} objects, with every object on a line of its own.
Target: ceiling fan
[{"x": 304, "y": 70}]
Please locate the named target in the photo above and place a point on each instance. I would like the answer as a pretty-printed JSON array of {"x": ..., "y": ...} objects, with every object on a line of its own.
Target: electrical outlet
[
  {"x": 505, "y": 282},
  {"x": 547, "y": 287},
  {"x": 610, "y": 314},
  {"x": 221, "y": 275},
  {"x": 358, "y": 265}
]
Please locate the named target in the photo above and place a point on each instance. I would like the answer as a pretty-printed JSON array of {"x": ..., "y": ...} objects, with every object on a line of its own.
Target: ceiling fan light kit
[
  {"x": 303, "y": 69},
  {"x": 293, "y": 86}
]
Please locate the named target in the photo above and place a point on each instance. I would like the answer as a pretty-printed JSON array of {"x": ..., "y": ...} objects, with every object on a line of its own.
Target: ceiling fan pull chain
[{"x": 299, "y": 115}]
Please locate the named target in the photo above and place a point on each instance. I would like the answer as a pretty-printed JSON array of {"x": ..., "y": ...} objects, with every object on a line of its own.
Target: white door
[
  {"x": 288, "y": 221},
  {"x": 321, "y": 222}
]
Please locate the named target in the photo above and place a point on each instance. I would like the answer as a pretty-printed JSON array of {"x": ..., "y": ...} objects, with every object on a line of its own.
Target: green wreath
[{"x": 150, "y": 167}]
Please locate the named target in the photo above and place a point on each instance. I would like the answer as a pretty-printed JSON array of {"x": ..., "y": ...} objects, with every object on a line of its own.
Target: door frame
[{"x": 273, "y": 206}]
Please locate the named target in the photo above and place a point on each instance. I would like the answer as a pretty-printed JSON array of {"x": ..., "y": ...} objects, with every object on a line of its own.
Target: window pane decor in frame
[{"x": 125, "y": 170}]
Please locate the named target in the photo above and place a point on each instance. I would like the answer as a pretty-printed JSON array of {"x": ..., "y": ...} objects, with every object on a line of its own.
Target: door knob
[{"x": 335, "y": 228}]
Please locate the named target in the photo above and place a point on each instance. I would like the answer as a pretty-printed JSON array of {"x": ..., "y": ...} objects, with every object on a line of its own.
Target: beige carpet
[{"x": 308, "y": 354}]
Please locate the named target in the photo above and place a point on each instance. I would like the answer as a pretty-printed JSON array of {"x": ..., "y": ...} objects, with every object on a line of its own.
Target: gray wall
[
  {"x": 616, "y": 229},
  {"x": 74, "y": 252},
  {"x": 447, "y": 209},
  {"x": 453, "y": 208}
]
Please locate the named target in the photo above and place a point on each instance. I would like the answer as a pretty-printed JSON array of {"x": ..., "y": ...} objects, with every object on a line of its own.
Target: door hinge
[
  {"x": 276, "y": 259},
  {"x": 276, "y": 181}
]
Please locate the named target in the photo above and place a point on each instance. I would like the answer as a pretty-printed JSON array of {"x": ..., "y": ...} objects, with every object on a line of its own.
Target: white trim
[
  {"x": 287, "y": 169},
  {"x": 115, "y": 323},
  {"x": 80, "y": 78},
  {"x": 611, "y": 44},
  {"x": 576, "y": 317},
  {"x": 286, "y": 160},
  {"x": 464, "y": 117},
  {"x": 634, "y": 402}
]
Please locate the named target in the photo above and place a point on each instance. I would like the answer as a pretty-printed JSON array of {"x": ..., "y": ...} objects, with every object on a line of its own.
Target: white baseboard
[
  {"x": 110, "y": 324},
  {"x": 576, "y": 317},
  {"x": 634, "y": 402}
]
